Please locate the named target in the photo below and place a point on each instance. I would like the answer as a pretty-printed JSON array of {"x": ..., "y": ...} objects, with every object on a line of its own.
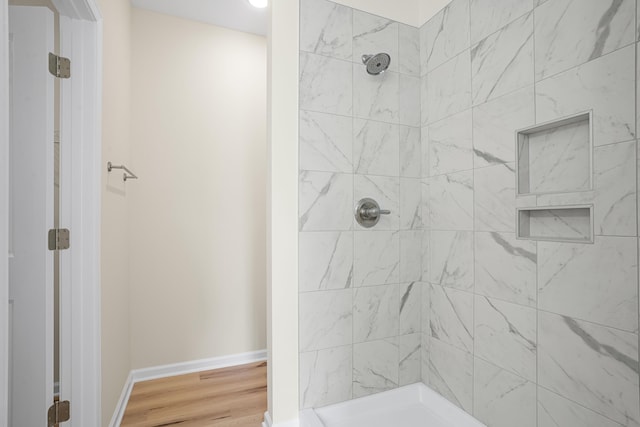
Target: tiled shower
[{"x": 503, "y": 141}]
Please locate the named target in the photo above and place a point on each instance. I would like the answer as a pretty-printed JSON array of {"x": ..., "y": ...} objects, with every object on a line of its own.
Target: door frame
[{"x": 81, "y": 110}]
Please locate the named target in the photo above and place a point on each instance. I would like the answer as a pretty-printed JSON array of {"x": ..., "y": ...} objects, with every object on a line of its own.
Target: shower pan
[{"x": 414, "y": 405}]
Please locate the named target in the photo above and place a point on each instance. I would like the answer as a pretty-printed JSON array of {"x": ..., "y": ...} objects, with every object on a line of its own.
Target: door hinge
[
  {"x": 59, "y": 66},
  {"x": 59, "y": 239},
  {"x": 59, "y": 412}
]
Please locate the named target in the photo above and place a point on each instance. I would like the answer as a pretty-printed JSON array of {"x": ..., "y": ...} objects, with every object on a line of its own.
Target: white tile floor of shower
[{"x": 415, "y": 405}]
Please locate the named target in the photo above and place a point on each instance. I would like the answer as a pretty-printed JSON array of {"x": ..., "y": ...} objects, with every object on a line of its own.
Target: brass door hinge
[
  {"x": 59, "y": 239},
  {"x": 59, "y": 66},
  {"x": 59, "y": 412}
]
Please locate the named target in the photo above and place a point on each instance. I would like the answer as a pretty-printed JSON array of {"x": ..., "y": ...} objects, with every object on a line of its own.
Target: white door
[{"x": 31, "y": 197}]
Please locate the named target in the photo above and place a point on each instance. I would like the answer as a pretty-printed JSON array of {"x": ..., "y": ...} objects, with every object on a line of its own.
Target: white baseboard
[
  {"x": 267, "y": 420},
  {"x": 155, "y": 372},
  {"x": 163, "y": 371},
  {"x": 116, "y": 418},
  {"x": 269, "y": 423}
]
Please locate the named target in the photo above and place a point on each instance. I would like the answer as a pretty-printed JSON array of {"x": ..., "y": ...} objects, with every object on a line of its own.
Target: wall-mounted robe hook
[{"x": 125, "y": 176}]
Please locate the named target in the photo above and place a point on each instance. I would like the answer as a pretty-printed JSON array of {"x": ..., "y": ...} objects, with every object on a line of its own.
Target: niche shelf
[
  {"x": 555, "y": 157},
  {"x": 556, "y": 223}
]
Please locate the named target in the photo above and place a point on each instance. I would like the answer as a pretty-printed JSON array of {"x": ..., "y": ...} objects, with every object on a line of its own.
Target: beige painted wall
[
  {"x": 197, "y": 232},
  {"x": 115, "y": 253}
]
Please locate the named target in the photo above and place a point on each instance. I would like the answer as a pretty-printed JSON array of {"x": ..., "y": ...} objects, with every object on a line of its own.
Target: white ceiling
[{"x": 235, "y": 14}]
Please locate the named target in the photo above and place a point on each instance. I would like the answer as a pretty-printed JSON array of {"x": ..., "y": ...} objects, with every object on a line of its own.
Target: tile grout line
[
  {"x": 400, "y": 244},
  {"x": 299, "y": 403},
  {"x": 535, "y": 120},
  {"x": 637, "y": 87}
]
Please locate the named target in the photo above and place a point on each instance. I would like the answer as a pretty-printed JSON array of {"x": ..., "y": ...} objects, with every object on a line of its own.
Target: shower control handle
[
  {"x": 372, "y": 213},
  {"x": 368, "y": 212}
]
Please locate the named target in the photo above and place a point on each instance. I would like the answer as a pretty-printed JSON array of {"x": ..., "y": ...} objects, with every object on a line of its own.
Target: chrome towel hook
[{"x": 125, "y": 176}]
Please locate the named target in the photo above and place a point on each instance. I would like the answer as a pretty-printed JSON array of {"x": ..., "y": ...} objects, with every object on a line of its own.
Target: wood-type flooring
[{"x": 227, "y": 397}]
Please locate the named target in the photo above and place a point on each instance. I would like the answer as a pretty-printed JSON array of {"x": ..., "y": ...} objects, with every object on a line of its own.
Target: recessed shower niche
[
  {"x": 557, "y": 223},
  {"x": 555, "y": 157}
]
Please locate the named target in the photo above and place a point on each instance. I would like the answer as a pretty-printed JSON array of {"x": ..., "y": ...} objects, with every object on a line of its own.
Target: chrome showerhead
[{"x": 376, "y": 64}]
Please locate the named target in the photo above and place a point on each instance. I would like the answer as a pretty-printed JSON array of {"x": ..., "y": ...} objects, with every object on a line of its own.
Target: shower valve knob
[{"x": 368, "y": 212}]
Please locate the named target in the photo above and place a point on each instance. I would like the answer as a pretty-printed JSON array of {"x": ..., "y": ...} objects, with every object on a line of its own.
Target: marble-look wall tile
[
  {"x": 386, "y": 191},
  {"x": 495, "y": 198},
  {"x": 443, "y": 37},
  {"x": 597, "y": 282},
  {"x": 592, "y": 365},
  {"x": 325, "y": 377},
  {"x": 451, "y": 201},
  {"x": 376, "y": 260},
  {"x": 452, "y": 317},
  {"x": 426, "y": 203},
  {"x": 505, "y": 335},
  {"x": 451, "y": 144},
  {"x": 410, "y": 255},
  {"x": 375, "y": 367},
  {"x": 326, "y": 28},
  {"x": 505, "y": 268},
  {"x": 325, "y": 84},
  {"x": 605, "y": 85},
  {"x": 426, "y": 255},
  {"x": 489, "y": 16},
  {"x": 325, "y": 142},
  {"x": 326, "y": 260},
  {"x": 410, "y": 348},
  {"x": 495, "y": 124},
  {"x": 409, "y": 50},
  {"x": 603, "y": 26},
  {"x": 424, "y": 354},
  {"x": 558, "y": 199},
  {"x": 615, "y": 186},
  {"x": 557, "y": 159},
  {"x": 452, "y": 263},
  {"x": 424, "y": 145},
  {"x": 449, "y": 88},
  {"x": 451, "y": 374},
  {"x": 375, "y": 146},
  {"x": 375, "y": 312},
  {"x": 373, "y": 34},
  {"x": 424, "y": 101},
  {"x": 410, "y": 204},
  {"x": 376, "y": 97},
  {"x": 554, "y": 410},
  {"x": 325, "y": 319},
  {"x": 502, "y": 399},
  {"x": 410, "y": 152},
  {"x": 503, "y": 62},
  {"x": 325, "y": 201},
  {"x": 409, "y": 100},
  {"x": 426, "y": 308},
  {"x": 410, "y": 308}
]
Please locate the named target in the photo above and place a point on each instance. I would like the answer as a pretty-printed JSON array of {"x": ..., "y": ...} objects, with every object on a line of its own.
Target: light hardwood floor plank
[{"x": 227, "y": 397}]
